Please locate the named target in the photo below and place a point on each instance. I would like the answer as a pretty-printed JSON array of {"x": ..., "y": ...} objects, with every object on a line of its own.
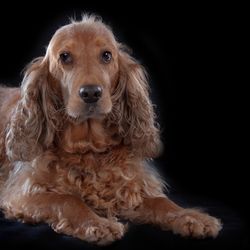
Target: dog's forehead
[{"x": 83, "y": 34}]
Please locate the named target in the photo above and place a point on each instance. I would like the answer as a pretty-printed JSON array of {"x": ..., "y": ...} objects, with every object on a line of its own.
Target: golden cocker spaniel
[{"x": 76, "y": 139}]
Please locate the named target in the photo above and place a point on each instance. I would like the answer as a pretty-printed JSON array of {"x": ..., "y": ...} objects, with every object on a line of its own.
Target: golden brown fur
[{"x": 78, "y": 166}]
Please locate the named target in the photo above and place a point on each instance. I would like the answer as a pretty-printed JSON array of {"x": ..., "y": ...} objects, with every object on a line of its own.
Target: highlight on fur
[{"x": 77, "y": 138}]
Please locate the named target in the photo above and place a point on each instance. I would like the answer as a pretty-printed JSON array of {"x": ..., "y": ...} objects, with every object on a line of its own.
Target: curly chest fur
[
  {"x": 100, "y": 173},
  {"x": 106, "y": 182},
  {"x": 90, "y": 165}
]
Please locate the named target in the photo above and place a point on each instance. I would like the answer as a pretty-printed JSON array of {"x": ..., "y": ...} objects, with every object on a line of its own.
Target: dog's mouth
[{"x": 90, "y": 111}]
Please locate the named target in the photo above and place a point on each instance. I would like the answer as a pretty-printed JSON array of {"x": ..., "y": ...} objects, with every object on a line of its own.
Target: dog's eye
[
  {"x": 66, "y": 58},
  {"x": 106, "y": 56}
]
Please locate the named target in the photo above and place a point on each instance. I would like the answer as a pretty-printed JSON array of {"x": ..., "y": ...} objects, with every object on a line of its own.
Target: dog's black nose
[{"x": 90, "y": 93}]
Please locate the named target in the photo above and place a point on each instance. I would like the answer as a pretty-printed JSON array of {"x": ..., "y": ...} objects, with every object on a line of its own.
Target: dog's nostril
[
  {"x": 90, "y": 93},
  {"x": 98, "y": 92},
  {"x": 85, "y": 94}
]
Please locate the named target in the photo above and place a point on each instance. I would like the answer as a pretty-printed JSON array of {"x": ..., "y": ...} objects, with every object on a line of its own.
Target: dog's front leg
[
  {"x": 66, "y": 214},
  {"x": 169, "y": 216}
]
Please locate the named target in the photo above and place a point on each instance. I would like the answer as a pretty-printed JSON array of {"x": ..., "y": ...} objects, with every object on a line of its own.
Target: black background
[{"x": 195, "y": 56}]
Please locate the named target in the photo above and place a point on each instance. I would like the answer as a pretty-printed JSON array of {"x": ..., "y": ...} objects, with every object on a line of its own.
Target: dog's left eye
[
  {"x": 106, "y": 56},
  {"x": 66, "y": 58}
]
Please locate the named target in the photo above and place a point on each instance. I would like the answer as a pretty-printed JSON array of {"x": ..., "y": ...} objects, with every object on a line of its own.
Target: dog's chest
[{"x": 105, "y": 184}]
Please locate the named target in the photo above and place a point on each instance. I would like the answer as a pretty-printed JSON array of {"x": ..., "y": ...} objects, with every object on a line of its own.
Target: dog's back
[
  {"x": 8, "y": 100},
  {"x": 8, "y": 97}
]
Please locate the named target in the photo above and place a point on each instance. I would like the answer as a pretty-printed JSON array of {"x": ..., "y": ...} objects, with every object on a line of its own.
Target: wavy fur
[{"x": 61, "y": 156}]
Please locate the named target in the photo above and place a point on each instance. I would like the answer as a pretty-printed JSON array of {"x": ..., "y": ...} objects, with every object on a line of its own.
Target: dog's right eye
[{"x": 66, "y": 58}]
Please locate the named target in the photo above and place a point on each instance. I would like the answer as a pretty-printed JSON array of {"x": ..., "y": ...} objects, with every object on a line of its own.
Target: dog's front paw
[
  {"x": 104, "y": 231},
  {"x": 190, "y": 222}
]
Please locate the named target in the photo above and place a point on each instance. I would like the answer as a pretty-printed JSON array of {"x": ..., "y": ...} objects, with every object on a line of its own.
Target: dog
[{"x": 77, "y": 139}]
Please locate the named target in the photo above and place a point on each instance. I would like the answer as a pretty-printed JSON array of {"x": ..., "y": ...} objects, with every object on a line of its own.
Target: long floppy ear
[
  {"x": 35, "y": 119},
  {"x": 133, "y": 110}
]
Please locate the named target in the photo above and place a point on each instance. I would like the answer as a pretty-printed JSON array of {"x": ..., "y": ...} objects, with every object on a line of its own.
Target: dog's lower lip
[
  {"x": 74, "y": 119},
  {"x": 91, "y": 109}
]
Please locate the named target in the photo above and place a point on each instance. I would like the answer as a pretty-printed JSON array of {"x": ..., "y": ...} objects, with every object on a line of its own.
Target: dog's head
[
  {"x": 85, "y": 74},
  {"x": 84, "y": 59}
]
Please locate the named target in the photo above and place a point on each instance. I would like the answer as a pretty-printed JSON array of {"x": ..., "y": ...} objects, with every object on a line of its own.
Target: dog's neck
[{"x": 89, "y": 136}]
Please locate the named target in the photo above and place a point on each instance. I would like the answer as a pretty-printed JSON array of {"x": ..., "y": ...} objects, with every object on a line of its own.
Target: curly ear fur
[
  {"x": 133, "y": 110},
  {"x": 35, "y": 119}
]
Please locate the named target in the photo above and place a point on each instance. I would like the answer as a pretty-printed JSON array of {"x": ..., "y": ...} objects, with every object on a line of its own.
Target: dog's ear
[
  {"x": 35, "y": 119},
  {"x": 132, "y": 109}
]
